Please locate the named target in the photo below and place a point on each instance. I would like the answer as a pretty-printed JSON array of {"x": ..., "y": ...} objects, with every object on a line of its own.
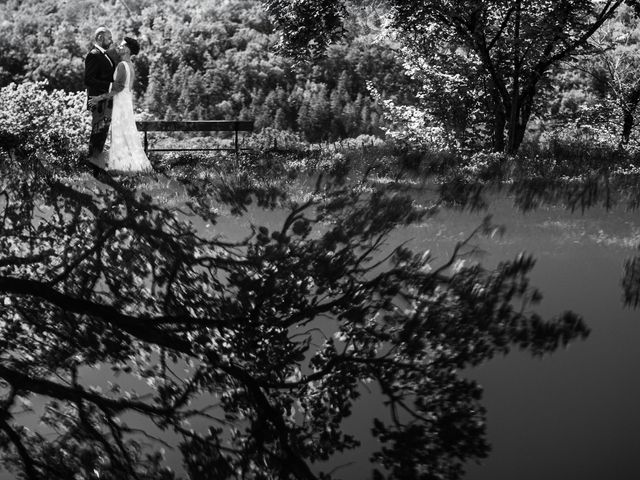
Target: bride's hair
[{"x": 132, "y": 43}]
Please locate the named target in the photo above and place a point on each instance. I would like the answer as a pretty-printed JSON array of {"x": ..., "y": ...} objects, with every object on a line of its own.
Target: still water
[{"x": 574, "y": 414}]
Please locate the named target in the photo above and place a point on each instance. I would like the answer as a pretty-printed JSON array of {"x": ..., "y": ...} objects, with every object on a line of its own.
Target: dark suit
[{"x": 98, "y": 75}]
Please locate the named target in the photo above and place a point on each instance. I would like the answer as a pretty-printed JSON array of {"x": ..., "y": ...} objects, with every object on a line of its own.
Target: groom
[{"x": 98, "y": 75}]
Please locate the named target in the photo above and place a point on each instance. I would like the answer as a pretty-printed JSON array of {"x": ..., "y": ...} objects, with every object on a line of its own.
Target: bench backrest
[{"x": 195, "y": 126}]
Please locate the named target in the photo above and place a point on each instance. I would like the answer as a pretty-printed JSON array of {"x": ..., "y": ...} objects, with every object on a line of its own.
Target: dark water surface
[
  {"x": 574, "y": 414},
  {"x": 571, "y": 415}
]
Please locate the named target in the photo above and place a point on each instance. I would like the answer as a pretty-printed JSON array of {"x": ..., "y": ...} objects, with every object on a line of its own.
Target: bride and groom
[{"x": 109, "y": 83}]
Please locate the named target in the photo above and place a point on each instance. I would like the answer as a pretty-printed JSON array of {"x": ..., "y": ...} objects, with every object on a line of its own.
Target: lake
[{"x": 573, "y": 414}]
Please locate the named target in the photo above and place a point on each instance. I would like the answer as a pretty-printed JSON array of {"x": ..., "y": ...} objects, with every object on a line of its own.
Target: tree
[
  {"x": 617, "y": 64},
  {"x": 229, "y": 46},
  {"x": 516, "y": 42},
  {"x": 262, "y": 343},
  {"x": 156, "y": 95},
  {"x": 338, "y": 99},
  {"x": 280, "y": 120}
]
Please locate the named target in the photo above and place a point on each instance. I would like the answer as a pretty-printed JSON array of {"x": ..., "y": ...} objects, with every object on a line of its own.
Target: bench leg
[
  {"x": 236, "y": 139},
  {"x": 146, "y": 143}
]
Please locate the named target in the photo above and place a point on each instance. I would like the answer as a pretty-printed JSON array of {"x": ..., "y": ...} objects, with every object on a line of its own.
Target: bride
[{"x": 125, "y": 153}]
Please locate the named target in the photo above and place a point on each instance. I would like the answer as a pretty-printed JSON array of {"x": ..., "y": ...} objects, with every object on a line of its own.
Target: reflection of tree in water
[
  {"x": 278, "y": 332},
  {"x": 600, "y": 189},
  {"x": 631, "y": 282},
  {"x": 597, "y": 190}
]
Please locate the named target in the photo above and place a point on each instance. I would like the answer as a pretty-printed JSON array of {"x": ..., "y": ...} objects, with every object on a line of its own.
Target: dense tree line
[
  {"x": 202, "y": 60},
  {"x": 492, "y": 57}
]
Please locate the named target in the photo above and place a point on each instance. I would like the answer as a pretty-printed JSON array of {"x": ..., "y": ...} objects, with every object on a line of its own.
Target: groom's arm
[
  {"x": 117, "y": 86},
  {"x": 91, "y": 68}
]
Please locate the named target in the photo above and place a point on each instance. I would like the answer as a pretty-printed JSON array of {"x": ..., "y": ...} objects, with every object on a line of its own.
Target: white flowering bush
[
  {"x": 50, "y": 126},
  {"x": 484, "y": 165},
  {"x": 412, "y": 125}
]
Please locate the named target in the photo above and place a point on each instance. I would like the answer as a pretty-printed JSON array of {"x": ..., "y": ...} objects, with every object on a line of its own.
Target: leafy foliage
[
  {"x": 220, "y": 61},
  {"x": 512, "y": 44},
  {"x": 202, "y": 60},
  {"x": 52, "y": 127},
  {"x": 615, "y": 68},
  {"x": 250, "y": 353}
]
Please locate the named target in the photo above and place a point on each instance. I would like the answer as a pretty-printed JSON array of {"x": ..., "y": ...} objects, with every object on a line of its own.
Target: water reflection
[
  {"x": 575, "y": 414},
  {"x": 601, "y": 190},
  {"x": 280, "y": 327}
]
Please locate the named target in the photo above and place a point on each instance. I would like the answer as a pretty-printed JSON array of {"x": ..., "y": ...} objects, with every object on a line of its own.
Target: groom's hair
[
  {"x": 100, "y": 31},
  {"x": 132, "y": 43}
]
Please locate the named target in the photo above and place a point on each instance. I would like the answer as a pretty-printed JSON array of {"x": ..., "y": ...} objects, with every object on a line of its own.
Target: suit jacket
[{"x": 98, "y": 72}]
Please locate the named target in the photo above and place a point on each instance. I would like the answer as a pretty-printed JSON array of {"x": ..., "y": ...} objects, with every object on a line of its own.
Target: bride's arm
[{"x": 117, "y": 85}]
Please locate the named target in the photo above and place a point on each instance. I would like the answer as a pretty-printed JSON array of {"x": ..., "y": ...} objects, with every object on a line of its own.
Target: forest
[
  {"x": 219, "y": 60},
  {"x": 214, "y": 62}
]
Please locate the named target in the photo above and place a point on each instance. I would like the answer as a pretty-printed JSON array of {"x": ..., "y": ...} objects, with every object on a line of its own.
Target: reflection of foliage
[
  {"x": 50, "y": 126},
  {"x": 537, "y": 182},
  {"x": 272, "y": 335},
  {"x": 631, "y": 282},
  {"x": 576, "y": 193}
]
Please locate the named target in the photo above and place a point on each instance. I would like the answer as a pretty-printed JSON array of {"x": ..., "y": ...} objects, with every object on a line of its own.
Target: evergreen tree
[
  {"x": 280, "y": 120},
  {"x": 319, "y": 114},
  {"x": 156, "y": 99}
]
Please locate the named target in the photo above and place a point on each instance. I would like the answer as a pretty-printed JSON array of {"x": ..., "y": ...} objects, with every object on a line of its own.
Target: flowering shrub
[
  {"x": 50, "y": 126},
  {"x": 273, "y": 138},
  {"x": 581, "y": 145},
  {"x": 412, "y": 125},
  {"x": 484, "y": 165}
]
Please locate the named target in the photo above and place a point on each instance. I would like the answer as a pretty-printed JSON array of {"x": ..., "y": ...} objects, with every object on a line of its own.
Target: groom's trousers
[{"x": 100, "y": 124}]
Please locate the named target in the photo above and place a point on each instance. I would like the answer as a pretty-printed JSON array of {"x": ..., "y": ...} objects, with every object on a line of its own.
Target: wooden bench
[{"x": 193, "y": 126}]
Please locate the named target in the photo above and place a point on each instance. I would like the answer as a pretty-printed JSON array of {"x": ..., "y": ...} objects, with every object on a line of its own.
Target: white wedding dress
[{"x": 125, "y": 152}]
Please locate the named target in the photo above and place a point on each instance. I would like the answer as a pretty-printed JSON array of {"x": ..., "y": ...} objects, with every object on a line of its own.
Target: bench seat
[{"x": 193, "y": 126}]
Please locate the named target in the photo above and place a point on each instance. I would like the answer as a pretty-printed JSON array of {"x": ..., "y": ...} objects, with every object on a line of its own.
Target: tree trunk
[
  {"x": 521, "y": 113},
  {"x": 628, "y": 109},
  {"x": 516, "y": 128},
  {"x": 518, "y": 136},
  {"x": 513, "y": 127},
  {"x": 514, "y": 115},
  {"x": 627, "y": 125},
  {"x": 499, "y": 123}
]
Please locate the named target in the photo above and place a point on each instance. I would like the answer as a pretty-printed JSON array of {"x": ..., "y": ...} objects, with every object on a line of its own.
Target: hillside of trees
[
  {"x": 219, "y": 60},
  {"x": 209, "y": 60}
]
